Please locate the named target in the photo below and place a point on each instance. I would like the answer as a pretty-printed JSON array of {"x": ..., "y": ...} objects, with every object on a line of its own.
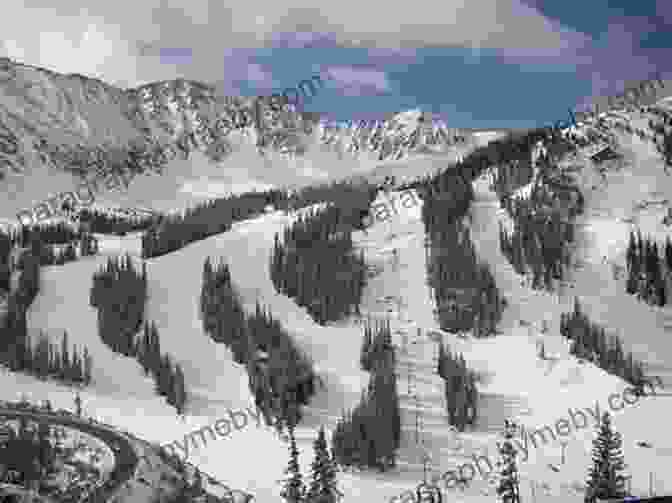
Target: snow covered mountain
[
  {"x": 60, "y": 129},
  {"x": 57, "y": 129}
]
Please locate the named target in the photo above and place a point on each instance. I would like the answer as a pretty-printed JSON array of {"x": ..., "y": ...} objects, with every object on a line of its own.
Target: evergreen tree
[
  {"x": 461, "y": 394},
  {"x": 88, "y": 366},
  {"x": 294, "y": 488},
  {"x": 323, "y": 486},
  {"x": 179, "y": 392},
  {"x": 509, "y": 483},
  {"x": 606, "y": 480},
  {"x": 65, "y": 358}
]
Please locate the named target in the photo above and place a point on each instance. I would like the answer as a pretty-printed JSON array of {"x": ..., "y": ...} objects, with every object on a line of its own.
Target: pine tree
[
  {"x": 509, "y": 484},
  {"x": 323, "y": 486},
  {"x": 605, "y": 477},
  {"x": 88, "y": 366},
  {"x": 294, "y": 489},
  {"x": 179, "y": 393},
  {"x": 65, "y": 359}
]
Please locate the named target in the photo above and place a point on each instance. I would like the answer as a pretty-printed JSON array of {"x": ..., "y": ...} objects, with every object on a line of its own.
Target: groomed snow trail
[
  {"x": 561, "y": 382},
  {"x": 602, "y": 232}
]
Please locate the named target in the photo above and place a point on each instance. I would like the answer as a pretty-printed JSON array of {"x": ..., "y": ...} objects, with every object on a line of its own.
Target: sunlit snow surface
[{"x": 516, "y": 383}]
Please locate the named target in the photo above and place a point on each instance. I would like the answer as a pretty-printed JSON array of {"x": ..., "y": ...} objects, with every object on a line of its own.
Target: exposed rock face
[{"x": 82, "y": 124}]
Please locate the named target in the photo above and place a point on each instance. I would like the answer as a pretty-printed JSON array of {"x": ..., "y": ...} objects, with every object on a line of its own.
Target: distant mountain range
[{"x": 66, "y": 121}]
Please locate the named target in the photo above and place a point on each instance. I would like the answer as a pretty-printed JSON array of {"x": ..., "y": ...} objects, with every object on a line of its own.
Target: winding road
[{"x": 125, "y": 458}]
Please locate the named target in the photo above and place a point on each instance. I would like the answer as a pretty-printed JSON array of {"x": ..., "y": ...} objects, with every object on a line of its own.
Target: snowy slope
[{"x": 515, "y": 382}]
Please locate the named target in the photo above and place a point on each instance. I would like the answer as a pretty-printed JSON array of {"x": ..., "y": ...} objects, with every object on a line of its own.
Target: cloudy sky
[{"x": 478, "y": 63}]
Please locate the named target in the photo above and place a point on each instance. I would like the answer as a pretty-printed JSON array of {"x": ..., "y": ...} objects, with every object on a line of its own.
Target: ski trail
[{"x": 601, "y": 232}]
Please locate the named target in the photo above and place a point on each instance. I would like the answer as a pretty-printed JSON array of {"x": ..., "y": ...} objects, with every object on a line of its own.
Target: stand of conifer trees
[
  {"x": 42, "y": 358},
  {"x": 53, "y": 244},
  {"x": 169, "y": 377},
  {"x": 539, "y": 243},
  {"x": 513, "y": 175},
  {"x": 200, "y": 222},
  {"x": 281, "y": 375},
  {"x": 446, "y": 197},
  {"x": 216, "y": 216},
  {"x": 28, "y": 452},
  {"x": 316, "y": 266},
  {"x": 102, "y": 223},
  {"x": 369, "y": 435},
  {"x": 47, "y": 233},
  {"x": 460, "y": 389},
  {"x": 542, "y": 230},
  {"x": 14, "y": 343},
  {"x": 50, "y": 255},
  {"x": 46, "y": 361},
  {"x": 465, "y": 292},
  {"x": 119, "y": 292},
  {"x": 590, "y": 342},
  {"x": 649, "y": 274},
  {"x": 376, "y": 344},
  {"x": 323, "y": 487}
]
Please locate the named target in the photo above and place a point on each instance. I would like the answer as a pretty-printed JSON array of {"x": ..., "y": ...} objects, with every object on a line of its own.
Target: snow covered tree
[
  {"x": 323, "y": 486},
  {"x": 509, "y": 483},
  {"x": 606, "y": 479},
  {"x": 294, "y": 488}
]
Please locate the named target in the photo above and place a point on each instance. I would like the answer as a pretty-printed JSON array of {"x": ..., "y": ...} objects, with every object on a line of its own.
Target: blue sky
[{"x": 476, "y": 63}]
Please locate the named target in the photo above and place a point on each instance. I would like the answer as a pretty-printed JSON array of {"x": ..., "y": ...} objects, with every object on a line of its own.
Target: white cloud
[
  {"x": 357, "y": 81},
  {"x": 106, "y": 39}
]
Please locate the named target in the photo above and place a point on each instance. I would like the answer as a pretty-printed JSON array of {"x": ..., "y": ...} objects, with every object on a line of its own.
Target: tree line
[
  {"x": 47, "y": 233},
  {"x": 59, "y": 255},
  {"x": 281, "y": 377},
  {"x": 370, "y": 434},
  {"x": 315, "y": 264},
  {"x": 649, "y": 273},
  {"x": 590, "y": 341},
  {"x": 46, "y": 361},
  {"x": 119, "y": 293},
  {"x": 216, "y": 216},
  {"x": 54, "y": 244},
  {"x": 104, "y": 223}
]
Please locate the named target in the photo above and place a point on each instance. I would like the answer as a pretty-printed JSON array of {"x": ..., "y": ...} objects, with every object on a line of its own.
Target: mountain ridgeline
[{"x": 83, "y": 125}]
